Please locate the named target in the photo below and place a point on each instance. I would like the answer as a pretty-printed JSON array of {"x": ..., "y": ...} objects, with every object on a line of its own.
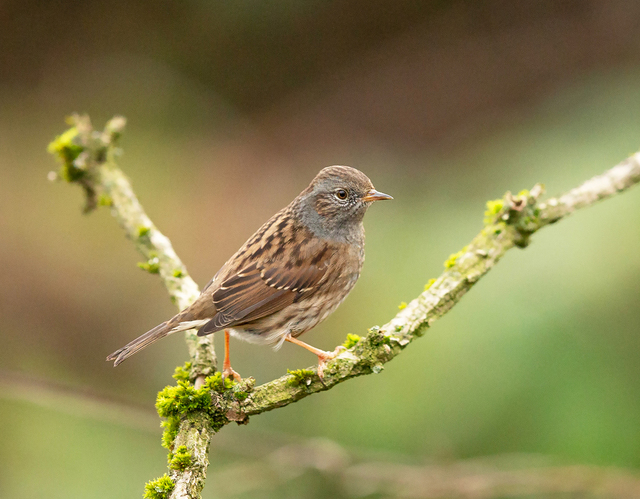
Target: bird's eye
[{"x": 342, "y": 194}]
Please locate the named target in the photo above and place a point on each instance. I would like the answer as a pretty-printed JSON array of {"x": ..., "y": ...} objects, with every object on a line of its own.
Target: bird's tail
[{"x": 181, "y": 322}]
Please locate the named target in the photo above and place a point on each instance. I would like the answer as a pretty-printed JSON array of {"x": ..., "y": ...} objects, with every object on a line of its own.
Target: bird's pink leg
[
  {"x": 226, "y": 366},
  {"x": 323, "y": 356}
]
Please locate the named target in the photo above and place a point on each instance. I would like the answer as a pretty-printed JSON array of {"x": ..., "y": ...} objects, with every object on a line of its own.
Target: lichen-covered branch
[
  {"x": 194, "y": 413},
  {"x": 509, "y": 222},
  {"x": 88, "y": 159}
]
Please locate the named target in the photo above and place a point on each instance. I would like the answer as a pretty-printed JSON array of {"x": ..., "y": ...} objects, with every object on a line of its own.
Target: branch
[
  {"x": 509, "y": 222},
  {"x": 194, "y": 414},
  {"x": 88, "y": 159}
]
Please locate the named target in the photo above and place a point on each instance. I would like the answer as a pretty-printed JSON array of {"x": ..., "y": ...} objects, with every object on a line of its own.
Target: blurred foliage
[{"x": 540, "y": 358}]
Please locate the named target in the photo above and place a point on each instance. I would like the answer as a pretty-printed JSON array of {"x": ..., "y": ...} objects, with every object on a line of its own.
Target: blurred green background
[{"x": 232, "y": 108}]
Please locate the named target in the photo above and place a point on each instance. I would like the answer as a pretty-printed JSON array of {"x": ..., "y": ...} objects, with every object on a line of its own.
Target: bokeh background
[{"x": 232, "y": 108}]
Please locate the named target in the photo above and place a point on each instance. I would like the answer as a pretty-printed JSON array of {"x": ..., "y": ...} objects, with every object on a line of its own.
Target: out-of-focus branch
[
  {"x": 75, "y": 401},
  {"x": 477, "y": 481},
  {"x": 88, "y": 158},
  {"x": 481, "y": 478},
  {"x": 272, "y": 460}
]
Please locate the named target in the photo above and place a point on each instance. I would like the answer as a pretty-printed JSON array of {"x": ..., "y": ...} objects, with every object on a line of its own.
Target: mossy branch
[
  {"x": 195, "y": 413},
  {"x": 88, "y": 158},
  {"x": 509, "y": 222}
]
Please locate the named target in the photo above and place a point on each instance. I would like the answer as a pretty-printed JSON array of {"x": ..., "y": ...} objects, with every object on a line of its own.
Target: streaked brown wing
[{"x": 261, "y": 289}]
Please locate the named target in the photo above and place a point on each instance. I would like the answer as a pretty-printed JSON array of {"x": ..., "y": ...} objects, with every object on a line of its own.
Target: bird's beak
[{"x": 374, "y": 195}]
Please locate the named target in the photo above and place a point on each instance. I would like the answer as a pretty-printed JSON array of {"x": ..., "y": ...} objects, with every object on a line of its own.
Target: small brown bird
[{"x": 289, "y": 276}]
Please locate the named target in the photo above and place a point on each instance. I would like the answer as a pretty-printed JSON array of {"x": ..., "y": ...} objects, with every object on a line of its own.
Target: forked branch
[{"x": 196, "y": 409}]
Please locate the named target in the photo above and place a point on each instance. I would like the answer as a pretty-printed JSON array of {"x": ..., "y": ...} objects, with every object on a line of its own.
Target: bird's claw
[
  {"x": 228, "y": 372},
  {"x": 323, "y": 358}
]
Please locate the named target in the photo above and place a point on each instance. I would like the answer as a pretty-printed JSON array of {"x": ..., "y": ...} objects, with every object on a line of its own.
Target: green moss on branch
[
  {"x": 181, "y": 459},
  {"x": 159, "y": 488}
]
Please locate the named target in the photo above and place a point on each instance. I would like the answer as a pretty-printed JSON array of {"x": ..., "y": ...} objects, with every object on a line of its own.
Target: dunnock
[{"x": 289, "y": 276}]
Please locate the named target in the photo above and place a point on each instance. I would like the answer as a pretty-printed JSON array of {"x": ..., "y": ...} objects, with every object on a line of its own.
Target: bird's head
[{"x": 336, "y": 200}]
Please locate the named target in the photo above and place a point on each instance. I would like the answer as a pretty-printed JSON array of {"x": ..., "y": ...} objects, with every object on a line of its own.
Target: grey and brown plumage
[{"x": 289, "y": 276}]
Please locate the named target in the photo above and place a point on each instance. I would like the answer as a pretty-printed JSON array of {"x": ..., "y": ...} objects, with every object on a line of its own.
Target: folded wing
[{"x": 263, "y": 288}]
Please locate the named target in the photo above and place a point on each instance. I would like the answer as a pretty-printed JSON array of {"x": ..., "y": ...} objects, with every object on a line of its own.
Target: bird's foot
[
  {"x": 228, "y": 372},
  {"x": 323, "y": 358}
]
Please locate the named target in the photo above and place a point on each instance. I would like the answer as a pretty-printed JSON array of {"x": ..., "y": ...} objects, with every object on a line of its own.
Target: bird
[{"x": 286, "y": 278}]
